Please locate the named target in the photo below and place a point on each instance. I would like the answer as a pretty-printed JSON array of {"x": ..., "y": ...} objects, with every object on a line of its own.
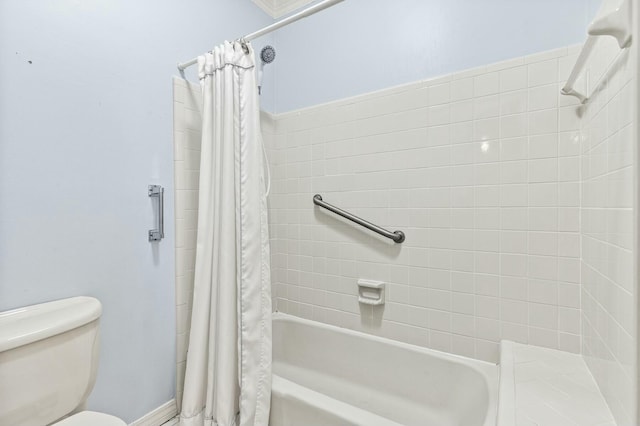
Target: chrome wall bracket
[{"x": 157, "y": 191}]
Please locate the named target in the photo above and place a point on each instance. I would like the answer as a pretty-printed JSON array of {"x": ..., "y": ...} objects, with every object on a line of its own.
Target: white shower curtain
[{"x": 228, "y": 376}]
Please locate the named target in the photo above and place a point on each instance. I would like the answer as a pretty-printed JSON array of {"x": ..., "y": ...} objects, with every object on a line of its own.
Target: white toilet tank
[{"x": 48, "y": 360}]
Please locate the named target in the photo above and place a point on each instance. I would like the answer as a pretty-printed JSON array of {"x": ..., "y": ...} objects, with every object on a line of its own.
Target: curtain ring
[{"x": 245, "y": 48}]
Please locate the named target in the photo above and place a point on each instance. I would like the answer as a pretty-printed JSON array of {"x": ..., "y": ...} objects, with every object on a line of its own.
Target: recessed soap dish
[{"x": 370, "y": 292}]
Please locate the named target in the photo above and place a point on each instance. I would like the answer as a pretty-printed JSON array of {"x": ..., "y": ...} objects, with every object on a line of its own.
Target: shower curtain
[{"x": 228, "y": 375}]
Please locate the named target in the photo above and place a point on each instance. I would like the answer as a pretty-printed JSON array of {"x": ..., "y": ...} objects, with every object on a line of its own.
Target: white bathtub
[{"x": 326, "y": 376}]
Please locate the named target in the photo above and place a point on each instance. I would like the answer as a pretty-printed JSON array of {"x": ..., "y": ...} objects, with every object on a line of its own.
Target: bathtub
[{"x": 325, "y": 376}]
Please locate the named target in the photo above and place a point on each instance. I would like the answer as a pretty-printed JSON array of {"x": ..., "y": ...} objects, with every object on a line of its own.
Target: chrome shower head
[{"x": 267, "y": 54}]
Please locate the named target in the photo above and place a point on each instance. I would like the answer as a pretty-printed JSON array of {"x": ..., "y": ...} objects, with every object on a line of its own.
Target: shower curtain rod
[{"x": 286, "y": 21}]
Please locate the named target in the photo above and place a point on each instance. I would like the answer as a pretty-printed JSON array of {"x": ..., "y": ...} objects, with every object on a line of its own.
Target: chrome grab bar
[
  {"x": 157, "y": 234},
  {"x": 396, "y": 236}
]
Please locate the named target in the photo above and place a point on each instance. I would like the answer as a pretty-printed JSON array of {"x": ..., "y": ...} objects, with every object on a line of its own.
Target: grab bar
[
  {"x": 396, "y": 236},
  {"x": 157, "y": 234}
]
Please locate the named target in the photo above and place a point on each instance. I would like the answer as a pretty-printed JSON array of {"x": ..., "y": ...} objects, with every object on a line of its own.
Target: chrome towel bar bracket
[
  {"x": 617, "y": 24},
  {"x": 396, "y": 236},
  {"x": 157, "y": 192}
]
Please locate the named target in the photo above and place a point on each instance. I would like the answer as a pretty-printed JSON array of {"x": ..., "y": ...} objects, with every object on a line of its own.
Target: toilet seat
[{"x": 90, "y": 418}]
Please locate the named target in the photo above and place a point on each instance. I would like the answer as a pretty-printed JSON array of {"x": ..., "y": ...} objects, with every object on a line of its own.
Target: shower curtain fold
[{"x": 228, "y": 373}]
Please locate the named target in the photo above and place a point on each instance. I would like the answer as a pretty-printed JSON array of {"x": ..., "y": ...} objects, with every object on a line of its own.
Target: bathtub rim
[{"x": 489, "y": 371}]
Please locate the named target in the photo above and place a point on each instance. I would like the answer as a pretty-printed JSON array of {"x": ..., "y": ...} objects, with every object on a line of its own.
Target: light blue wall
[
  {"x": 360, "y": 46},
  {"x": 85, "y": 126}
]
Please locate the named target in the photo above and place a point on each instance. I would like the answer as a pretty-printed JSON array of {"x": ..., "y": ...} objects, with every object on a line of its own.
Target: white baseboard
[{"x": 160, "y": 415}]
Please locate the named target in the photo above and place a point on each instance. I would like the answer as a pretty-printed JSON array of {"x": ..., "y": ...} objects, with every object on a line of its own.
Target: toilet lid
[{"x": 90, "y": 418}]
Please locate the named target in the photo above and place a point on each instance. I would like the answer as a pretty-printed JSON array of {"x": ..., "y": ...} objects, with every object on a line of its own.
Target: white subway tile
[
  {"x": 544, "y": 121},
  {"x": 487, "y": 262},
  {"x": 486, "y": 84},
  {"x": 543, "y": 194},
  {"x": 514, "y": 288},
  {"x": 543, "y": 72},
  {"x": 462, "y": 132},
  {"x": 486, "y": 107},
  {"x": 487, "y": 174},
  {"x": 513, "y": 172},
  {"x": 543, "y": 219},
  {"x": 543, "y": 337},
  {"x": 568, "y": 219},
  {"x": 461, "y": 89},
  {"x": 514, "y": 311},
  {"x": 547, "y": 55},
  {"x": 461, "y": 111},
  {"x": 543, "y": 97},
  {"x": 439, "y": 115},
  {"x": 542, "y": 291},
  {"x": 543, "y": 243},
  {"x": 543, "y": 170},
  {"x": 513, "y": 265},
  {"x": 462, "y": 345},
  {"x": 569, "y": 342},
  {"x": 568, "y": 119},
  {"x": 514, "y": 195},
  {"x": 568, "y": 169},
  {"x": 513, "y": 102},
  {"x": 543, "y": 267},
  {"x": 543, "y": 316},
  {"x": 439, "y": 320},
  {"x": 487, "y": 151},
  {"x": 569, "y": 194},
  {"x": 512, "y": 126},
  {"x": 463, "y": 303},
  {"x": 515, "y": 332},
  {"x": 543, "y": 146},
  {"x": 439, "y": 94},
  {"x": 514, "y": 149},
  {"x": 486, "y": 240},
  {"x": 487, "y": 351},
  {"x": 569, "y": 320},
  {"x": 440, "y": 341},
  {"x": 513, "y": 242},
  {"x": 514, "y": 218},
  {"x": 487, "y": 129},
  {"x": 569, "y": 270},
  {"x": 503, "y": 65},
  {"x": 513, "y": 79},
  {"x": 487, "y": 307}
]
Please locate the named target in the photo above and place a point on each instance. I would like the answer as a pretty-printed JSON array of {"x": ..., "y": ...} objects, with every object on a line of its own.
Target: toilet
[{"x": 48, "y": 364}]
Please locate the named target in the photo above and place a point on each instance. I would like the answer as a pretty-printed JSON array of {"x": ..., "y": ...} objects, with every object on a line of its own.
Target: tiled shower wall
[
  {"x": 609, "y": 279},
  {"x": 187, "y": 125},
  {"x": 480, "y": 169}
]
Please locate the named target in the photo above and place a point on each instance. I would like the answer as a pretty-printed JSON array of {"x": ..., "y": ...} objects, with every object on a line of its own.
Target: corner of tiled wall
[
  {"x": 187, "y": 106},
  {"x": 608, "y": 226},
  {"x": 268, "y": 130}
]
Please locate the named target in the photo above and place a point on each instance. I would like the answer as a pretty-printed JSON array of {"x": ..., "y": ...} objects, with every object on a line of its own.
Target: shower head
[{"x": 267, "y": 54}]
